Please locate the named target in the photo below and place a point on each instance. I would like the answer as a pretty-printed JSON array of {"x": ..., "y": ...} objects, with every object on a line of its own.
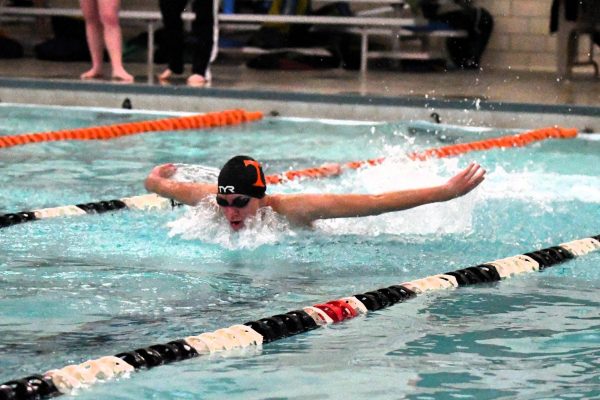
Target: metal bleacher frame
[{"x": 395, "y": 27}]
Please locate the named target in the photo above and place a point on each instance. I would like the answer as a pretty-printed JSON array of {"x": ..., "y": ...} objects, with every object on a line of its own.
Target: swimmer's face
[{"x": 237, "y": 208}]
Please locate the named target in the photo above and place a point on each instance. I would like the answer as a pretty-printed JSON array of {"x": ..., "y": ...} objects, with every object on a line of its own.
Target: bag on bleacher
[
  {"x": 10, "y": 48},
  {"x": 464, "y": 52},
  {"x": 344, "y": 45},
  {"x": 68, "y": 44},
  {"x": 278, "y": 35}
]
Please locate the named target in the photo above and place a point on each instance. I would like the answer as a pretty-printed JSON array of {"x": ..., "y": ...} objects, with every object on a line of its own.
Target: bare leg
[
  {"x": 93, "y": 31},
  {"x": 109, "y": 15}
]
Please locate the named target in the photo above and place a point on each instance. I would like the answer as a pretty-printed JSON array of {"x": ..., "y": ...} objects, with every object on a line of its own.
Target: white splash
[
  {"x": 397, "y": 172},
  {"x": 593, "y": 137},
  {"x": 206, "y": 223},
  {"x": 195, "y": 173},
  {"x": 540, "y": 186}
]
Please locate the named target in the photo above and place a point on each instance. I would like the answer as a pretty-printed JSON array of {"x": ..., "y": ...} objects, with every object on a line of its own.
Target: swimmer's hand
[
  {"x": 159, "y": 181},
  {"x": 463, "y": 182},
  {"x": 158, "y": 175},
  {"x": 164, "y": 171}
]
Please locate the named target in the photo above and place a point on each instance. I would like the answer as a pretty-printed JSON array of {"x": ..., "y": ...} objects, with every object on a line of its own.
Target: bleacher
[{"x": 376, "y": 18}]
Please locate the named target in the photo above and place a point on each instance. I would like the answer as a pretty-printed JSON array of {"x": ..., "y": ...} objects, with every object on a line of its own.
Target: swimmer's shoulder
[{"x": 288, "y": 205}]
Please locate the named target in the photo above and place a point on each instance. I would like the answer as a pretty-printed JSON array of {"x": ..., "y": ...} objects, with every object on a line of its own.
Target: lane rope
[
  {"x": 200, "y": 121},
  {"x": 254, "y": 334},
  {"x": 151, "y": 201},
  {"x": 510, "y": 141},
  {"x": 144, "y": 202}
]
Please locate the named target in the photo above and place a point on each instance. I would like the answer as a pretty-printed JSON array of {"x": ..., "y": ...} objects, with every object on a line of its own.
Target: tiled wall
[{"x": 521, "y": 37}]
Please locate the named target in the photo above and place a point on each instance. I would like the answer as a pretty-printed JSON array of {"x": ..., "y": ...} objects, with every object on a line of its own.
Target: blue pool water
[{"x": 77, "y": 288}]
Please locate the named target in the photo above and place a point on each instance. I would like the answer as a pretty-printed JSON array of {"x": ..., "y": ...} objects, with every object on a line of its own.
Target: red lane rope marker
[
  {"x": 208, "y": 120},
  {"x": 518, "y": 140}
]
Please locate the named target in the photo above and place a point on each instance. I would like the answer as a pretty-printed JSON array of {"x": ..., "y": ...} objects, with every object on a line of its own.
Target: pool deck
[
  {"x": 505, "y": 85},
  {"x": 288, "y": 92}
]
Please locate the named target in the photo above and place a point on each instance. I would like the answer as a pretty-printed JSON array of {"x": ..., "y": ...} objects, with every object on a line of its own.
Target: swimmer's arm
[
  {"x": 159, "y": 182},
  {"x": 307, "y": 208}
]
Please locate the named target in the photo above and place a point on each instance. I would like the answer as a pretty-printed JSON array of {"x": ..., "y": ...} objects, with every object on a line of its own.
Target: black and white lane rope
[
  {"x": 144, "y": 202},
  {"x": 254, "y": 333}
]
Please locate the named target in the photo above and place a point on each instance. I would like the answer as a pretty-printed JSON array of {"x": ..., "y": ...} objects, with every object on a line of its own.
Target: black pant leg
[
  {"x": 205, "y": 36},
  {"x": 174, "y": 38}
]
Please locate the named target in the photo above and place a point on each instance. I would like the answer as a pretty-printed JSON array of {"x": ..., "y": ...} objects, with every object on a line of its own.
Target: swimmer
[{"x": 241, "y": 191}]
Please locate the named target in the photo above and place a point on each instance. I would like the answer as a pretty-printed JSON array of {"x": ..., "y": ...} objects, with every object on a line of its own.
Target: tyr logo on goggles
[{"x": 238, "y": 202}]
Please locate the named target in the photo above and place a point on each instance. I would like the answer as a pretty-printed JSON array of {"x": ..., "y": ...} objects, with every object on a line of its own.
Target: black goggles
[{"x": 238, "y": 202}]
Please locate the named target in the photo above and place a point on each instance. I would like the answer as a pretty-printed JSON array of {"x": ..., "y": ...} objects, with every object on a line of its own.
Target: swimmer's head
[
  {"x": 240, "y": 186},
  {"x": 242, "y": 175}
]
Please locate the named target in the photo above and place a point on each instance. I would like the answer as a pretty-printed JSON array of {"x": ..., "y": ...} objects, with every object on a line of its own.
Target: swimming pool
[{"x": 76, "y": 288}]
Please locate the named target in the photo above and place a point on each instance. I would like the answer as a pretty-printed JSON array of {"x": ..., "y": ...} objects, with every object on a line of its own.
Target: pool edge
[{"x": 468, "y": 111}]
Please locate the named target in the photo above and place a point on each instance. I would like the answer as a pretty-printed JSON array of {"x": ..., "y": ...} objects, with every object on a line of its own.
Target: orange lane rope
[
  {"x": 518, "y": 140},
  {"x": 208, "y": 120}
]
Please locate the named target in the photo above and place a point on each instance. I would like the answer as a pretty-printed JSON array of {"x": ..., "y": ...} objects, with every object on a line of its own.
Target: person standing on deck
[
  {"x": 102, "y": 29},
  {"x": 204, "y": 37}
]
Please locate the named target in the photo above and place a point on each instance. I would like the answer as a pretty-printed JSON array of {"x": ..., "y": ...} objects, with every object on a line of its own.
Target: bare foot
[
  {"x": 196, "y": 80},
  {"x": 122, "y": 77},
  {"x": 91, "y": 74},
  {"x": 165, "y": 76}
]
